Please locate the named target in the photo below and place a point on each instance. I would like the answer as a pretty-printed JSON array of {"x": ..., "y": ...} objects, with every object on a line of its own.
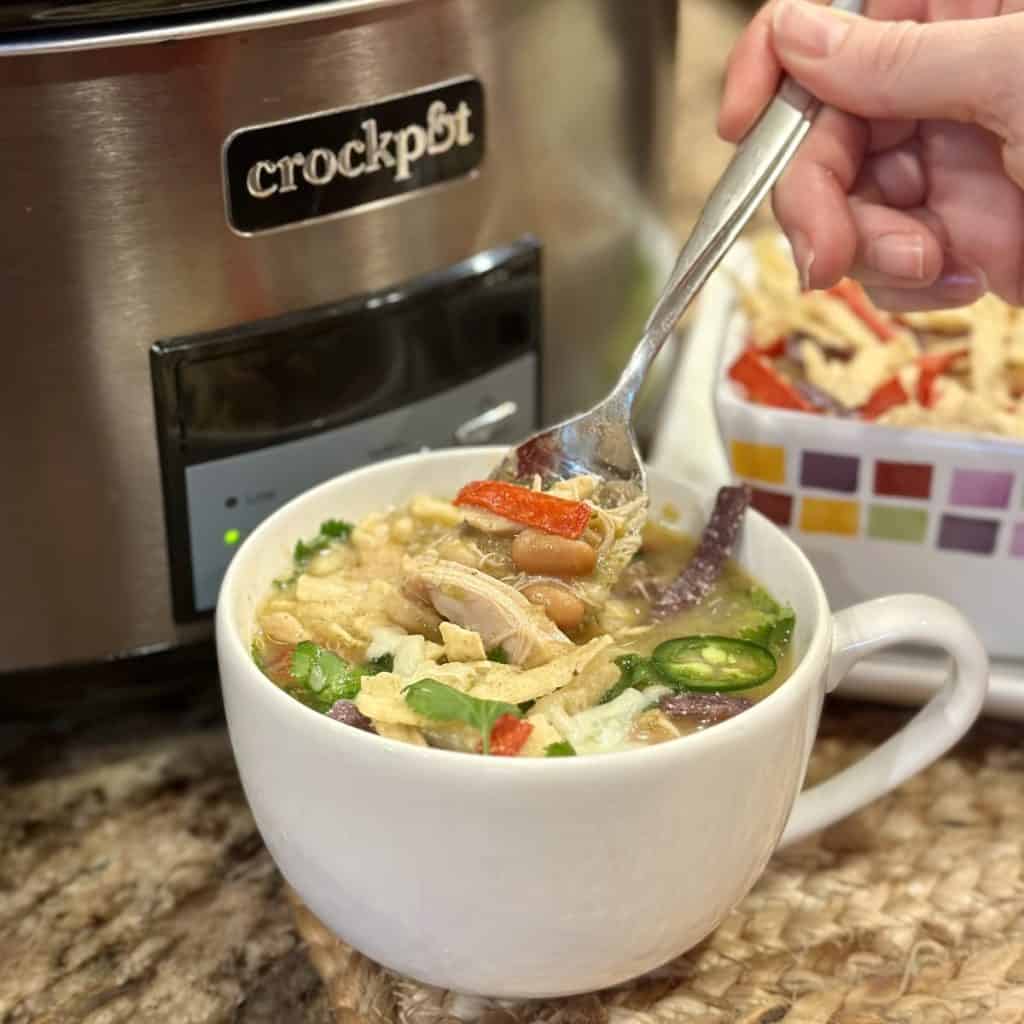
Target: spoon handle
[{"x": 756, "y": 166}]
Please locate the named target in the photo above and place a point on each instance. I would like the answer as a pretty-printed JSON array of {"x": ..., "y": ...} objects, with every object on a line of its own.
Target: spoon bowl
[{"x": 598, "y": 442}]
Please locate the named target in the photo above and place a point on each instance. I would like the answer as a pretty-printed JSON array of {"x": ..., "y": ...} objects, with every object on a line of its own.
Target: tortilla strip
[
  {"x": 515, "y": 687},
  {"x": 462, "y": 644},
  {"x": 582, "y": 693},
  {"x": 542, "y": 736},
  {"x": 380, "y": 699},
  {"x": 403, "y": 733}
]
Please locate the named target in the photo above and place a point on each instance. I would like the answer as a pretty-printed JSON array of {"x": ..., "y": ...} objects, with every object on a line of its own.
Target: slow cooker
[{"x": 249, "y": 246}]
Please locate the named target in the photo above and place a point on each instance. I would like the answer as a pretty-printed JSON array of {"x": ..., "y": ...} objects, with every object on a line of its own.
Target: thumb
[{"x": 964, "y": 70}]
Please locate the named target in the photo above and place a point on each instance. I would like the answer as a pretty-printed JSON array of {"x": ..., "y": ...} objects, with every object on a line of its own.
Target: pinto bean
[
  {"x": 544, "y": 554},
  {"x": 565, "y": 610}
]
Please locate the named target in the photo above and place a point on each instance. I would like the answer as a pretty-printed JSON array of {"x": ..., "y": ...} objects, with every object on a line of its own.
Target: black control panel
[{"x": 249, "y": 417}]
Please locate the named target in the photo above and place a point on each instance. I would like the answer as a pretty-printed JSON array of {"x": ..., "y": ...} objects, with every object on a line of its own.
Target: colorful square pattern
[
  {"x": 827, "y": 515},
  {"x": 898, "y": 522},
  {"x": 963, "y": 533},
  {"x": 841, "y": 473},
  {"x": 1017, "y": 541},
  {"x": 980, "y": 488},
  {"x": 829, "y": 472},
  {"x": 903, "y": 480},
  {"x": 773, "y": 506},
  {"x": 763, "y": 462}
]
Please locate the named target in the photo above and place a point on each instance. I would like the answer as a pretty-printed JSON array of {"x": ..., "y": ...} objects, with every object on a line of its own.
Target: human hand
[{"x": 912, "y": 178}]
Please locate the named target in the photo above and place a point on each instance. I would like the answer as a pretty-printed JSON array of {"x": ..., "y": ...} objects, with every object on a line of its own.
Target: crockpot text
[{"x": 374, "y": 151}]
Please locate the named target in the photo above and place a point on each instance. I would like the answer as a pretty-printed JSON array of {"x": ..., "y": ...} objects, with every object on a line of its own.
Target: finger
[
  {"x": 894, "y": 178},
  {"x": 753, "y": 69},
  {"x": 949, "y": 10},
  {"x": 903, "y": 69},
  {"x": 886, "y": 134},
  {"x": 980, "y": 207},
  {"x": 953, "y": 288},
  {"x": 895, "y": 248},
  {"x": 751, "y": 78},
  {"x": 810, "y": 201}
]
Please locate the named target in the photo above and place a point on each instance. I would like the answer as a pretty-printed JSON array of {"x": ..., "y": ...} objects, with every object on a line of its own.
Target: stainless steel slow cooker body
[{"x": 116, "y": 237}]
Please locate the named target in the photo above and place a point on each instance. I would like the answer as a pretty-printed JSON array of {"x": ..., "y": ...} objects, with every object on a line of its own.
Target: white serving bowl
[
  {"x": 529, "y": 877},
  {"x": 876, "y": 509}
]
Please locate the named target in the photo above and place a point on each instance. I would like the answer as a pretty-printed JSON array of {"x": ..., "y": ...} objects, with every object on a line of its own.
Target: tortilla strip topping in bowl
[{"x": 833, "y": 353}]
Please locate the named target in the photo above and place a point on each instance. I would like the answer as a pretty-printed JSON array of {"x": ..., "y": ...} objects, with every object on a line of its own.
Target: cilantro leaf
[
  {"x": 326, "y": 678},
  {"x": 442, "y": 703},
  {"x": 330, "y": 530},
  {"x": 498, "y": 654},
  {"x": 337, "y": 529},
  {"x": 326, "y": 671},
  {"x": 634, "y": 672},
  {"x": 385, "y": 663},
  {"x": 561, "y": 749},
  {"x": 302, "y": 660},
  {"x": 771, "y": 624}
]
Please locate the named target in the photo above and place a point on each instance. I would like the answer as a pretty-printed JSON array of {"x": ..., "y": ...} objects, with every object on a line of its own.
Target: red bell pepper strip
[
  {"x": 772, "y": 351},
  {"x": 933, "y": 365},
  {"x": 508, "y": 736},
  {"x": 885, "y": 397},
  {"x": 765, "y": 385},
  {"x": 531, "y": 508},
  {"x": 850, "y": 292}
]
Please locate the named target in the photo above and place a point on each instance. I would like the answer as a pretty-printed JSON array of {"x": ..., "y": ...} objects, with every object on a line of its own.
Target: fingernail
[
  {"x": 962, "y": 281},
  {"x": 803, "y": 257},
  {"x": 897, "y": 256},
  {"x": 804, "y": 29}
]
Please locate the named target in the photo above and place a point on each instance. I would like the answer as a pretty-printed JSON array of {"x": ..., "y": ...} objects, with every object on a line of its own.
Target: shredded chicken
[{"x": 497, "y": 612}]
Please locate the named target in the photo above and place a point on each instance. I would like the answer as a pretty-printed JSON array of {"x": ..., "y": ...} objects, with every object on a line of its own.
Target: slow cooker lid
[
  {"x": 64, "y": 17},
  {"x": 28, "y": 15}
]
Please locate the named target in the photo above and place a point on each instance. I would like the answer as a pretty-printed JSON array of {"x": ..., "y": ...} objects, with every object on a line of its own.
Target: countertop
[{"x": 133, "y": 883}]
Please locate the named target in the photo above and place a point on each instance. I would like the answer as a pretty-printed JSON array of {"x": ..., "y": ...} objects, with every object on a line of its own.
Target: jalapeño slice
[{"x": 718, "y": 663}]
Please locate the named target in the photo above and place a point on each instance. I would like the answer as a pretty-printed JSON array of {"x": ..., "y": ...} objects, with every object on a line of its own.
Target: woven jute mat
[{"x": 910, "y": 911}]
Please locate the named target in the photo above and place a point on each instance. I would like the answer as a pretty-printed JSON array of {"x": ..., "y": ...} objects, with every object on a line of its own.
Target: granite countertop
[{"x": 133, "y": 883}]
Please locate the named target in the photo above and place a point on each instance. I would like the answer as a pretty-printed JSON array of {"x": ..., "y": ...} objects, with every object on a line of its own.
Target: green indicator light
[{"x": 232, "y": 537}]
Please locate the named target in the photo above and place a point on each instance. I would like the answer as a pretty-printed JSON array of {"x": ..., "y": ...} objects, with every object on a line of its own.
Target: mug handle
[{"x": 860, "y": 631}]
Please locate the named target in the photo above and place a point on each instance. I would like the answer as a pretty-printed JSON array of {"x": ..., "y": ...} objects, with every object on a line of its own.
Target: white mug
[{"x": 521, "y": 878}]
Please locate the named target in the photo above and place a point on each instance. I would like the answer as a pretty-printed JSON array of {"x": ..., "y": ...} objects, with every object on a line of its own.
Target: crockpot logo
[
  {"x": 325, "y": 164},
  {"x": 376, "y": 150}
]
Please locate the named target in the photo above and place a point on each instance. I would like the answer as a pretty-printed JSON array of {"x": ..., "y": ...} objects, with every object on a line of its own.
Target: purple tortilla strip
[
  {"x": 346, "y": 712},
  {"x": 708, "y": 707},
  {"x": 822, "y": 399},
  {"x": 716, "y": 543},
  {"x": 794, "y": 343}
]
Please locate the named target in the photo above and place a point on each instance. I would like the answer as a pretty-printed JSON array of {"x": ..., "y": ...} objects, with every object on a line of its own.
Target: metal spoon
[{"x": 601, "y": 441}]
